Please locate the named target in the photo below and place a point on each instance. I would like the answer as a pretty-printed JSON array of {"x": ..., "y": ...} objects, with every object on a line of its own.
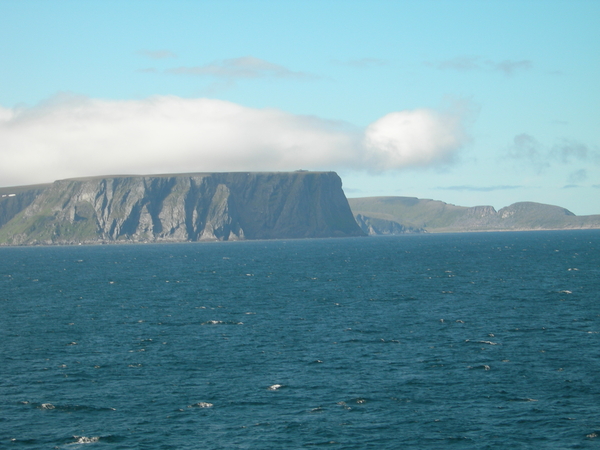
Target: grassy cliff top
[{"x": 18, "y": 189}]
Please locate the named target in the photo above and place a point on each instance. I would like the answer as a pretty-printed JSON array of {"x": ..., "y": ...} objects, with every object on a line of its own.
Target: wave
[
  {"x": 67, "y": 408},
  {"x": 222, "y": 322},
  {"x": 201, "y": 405},
  {"x": 85, "y": 440}
]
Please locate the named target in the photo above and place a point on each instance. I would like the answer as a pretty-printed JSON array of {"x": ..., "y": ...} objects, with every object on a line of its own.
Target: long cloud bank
[{"x": 69, "y": 136}]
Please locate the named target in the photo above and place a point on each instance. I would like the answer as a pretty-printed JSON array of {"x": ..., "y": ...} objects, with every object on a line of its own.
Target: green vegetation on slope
[{"x": 437, "y": 216}]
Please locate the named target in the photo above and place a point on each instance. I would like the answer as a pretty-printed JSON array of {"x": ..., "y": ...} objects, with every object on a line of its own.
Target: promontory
[{"x": 177, "y": 208}]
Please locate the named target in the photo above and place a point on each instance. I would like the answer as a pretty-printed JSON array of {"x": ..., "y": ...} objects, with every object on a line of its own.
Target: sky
[{"x": 468, "y": 102}]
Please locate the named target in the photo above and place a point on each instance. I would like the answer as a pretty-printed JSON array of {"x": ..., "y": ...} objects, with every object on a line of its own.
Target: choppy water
[{"x": 475, "y": 341}]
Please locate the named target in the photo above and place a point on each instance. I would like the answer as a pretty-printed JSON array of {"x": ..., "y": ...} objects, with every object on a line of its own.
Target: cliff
[
  {"x": 374, "y": 226},
  {"x": 14, "y": 200},
  {"x": 176, "y": 208},
  {"x": 436, "y": 216}
]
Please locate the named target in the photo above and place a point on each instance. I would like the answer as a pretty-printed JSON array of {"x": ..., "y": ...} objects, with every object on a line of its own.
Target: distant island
[
  {"x": 395, "y": 215},
  {"x": 240, "y": 206}
]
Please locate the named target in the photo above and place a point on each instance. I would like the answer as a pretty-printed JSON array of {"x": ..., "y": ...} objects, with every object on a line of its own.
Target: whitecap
[
  {"x": 47, "y": 406},
  {"x": 483, "y": 366},
  {"x": 221, "y": 322},
  {"x": 275, "y": 387},
  {"x": 203, "y": 405},
  {"x": 86, "y": 440}
]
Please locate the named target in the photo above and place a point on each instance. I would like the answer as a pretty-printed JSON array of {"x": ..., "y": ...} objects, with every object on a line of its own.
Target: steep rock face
[
  {"x": 190, "y": 207},
  {"x": 382, "y": 227}
]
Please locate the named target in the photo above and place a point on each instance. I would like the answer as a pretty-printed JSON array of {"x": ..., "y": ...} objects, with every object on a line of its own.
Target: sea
[{"x": 423, "y": 341}]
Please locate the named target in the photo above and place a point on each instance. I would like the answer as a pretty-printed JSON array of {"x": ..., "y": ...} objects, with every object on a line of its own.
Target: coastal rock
[
  {"x": 176, "y": 208},
  {"x": 382, "y": 227}
]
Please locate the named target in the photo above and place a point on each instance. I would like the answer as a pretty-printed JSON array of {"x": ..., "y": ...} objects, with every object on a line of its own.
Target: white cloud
[
  {"x": 565, "y": 151},
  {"x": 509, "y": 67},
  {"x": 460, "y": 63},
  {"x": 362, "y": 63},
  {"x": 502, "y": 187},
  {"x": 157, "y": 54},
  {"x": 578, "y": 176},
  {"x": 71, "y": 136},
  {"x": 244, "y": 67},
  {"x": 5, "y": 114},
  {"x": 148, "y": 70},
  {"x": 466, "y": 63},
  {"x": 527, "y": 147},
  {"x": 413, "y": 138},
  {"x": 568, "y": 150}
]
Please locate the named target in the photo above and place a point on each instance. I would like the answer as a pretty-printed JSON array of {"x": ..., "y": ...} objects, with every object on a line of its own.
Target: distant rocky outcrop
[
  {"x": 176, "y": 208},
  {"x": 435, "y": 216},
  {"x": 382, "y": 227}
]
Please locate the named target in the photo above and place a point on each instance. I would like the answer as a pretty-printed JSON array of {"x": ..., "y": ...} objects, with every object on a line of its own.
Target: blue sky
[{"x": 469, "y": 102}]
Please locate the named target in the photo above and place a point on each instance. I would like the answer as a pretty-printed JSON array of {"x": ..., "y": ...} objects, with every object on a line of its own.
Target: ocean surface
[{"x": 467, "y": 341}]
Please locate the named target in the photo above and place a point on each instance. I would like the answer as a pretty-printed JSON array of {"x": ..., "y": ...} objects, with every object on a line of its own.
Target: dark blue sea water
[{"x": 469, "y": 341}]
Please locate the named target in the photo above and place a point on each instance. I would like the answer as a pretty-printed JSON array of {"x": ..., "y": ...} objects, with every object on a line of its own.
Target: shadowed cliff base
[{"x": 177, "y": 208}]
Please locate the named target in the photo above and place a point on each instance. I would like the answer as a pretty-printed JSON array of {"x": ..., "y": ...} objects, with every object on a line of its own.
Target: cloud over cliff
[
  {"x": 413, "y": 138},
  {"x": 71, "y": 136}
]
